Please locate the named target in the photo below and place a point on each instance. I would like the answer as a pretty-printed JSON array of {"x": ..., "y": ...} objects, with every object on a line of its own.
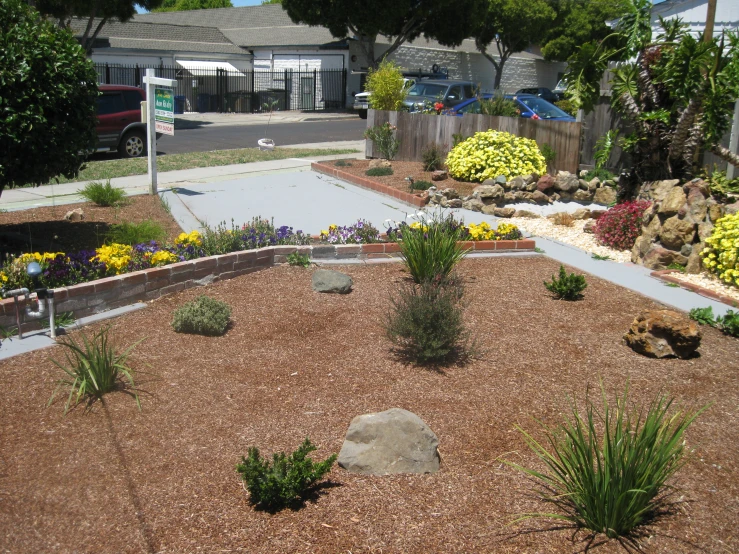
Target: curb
[
  {"x": 664, "y": 275},
  {"x": 412, "y": 199}
]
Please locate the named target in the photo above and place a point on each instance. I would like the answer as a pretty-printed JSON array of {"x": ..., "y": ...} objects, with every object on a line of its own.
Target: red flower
[{"x": 438, "y": 106}]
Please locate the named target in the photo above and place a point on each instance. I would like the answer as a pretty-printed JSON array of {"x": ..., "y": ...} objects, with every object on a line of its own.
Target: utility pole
[{"x": 710, "y": 18}]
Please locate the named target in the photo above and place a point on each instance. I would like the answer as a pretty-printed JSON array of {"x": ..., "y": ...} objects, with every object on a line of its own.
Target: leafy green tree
[
  {"x": 675, "y": 91},
  {"x": 187, "y": 5},
  {"x": 47, "y": 99},
  {"x": 97, "y": 13},
  {"x": 447, "y": 21},
  {"x": 578, "y": 22},
  {"x": 512, "y": 25}
]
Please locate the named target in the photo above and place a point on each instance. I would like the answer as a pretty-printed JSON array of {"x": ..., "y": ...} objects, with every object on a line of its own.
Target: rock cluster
[
  {"x": 663, "y": 334},
  {"x": 675, "y": 227},
  {"x": 493, "y": 194}
]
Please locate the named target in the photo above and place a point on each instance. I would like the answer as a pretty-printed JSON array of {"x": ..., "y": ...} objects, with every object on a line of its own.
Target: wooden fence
[{"x": 417, "y": 131}]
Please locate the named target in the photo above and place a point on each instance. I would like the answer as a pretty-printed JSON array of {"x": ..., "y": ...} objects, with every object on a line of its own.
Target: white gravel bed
[
  {"x": 574, "y": 235},
  {"x": 708, "y": 281}
]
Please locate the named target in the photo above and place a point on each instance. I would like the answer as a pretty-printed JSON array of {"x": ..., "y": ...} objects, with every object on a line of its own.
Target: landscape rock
[
  {"x": 454, "y": 203},
  {"x": 450, "y": 193},
  {"x": 686, "y": 250},
  {"x": 522, "y": 196},
  {"x": 75, "y": 215},
  {"x": 589, "y": 226},
  {"x": 605, "y": 196},
  {"x": 657, "y": 190},
  {"x": 705, "y": 230},
  {"x": 584, "y": 185},
  {"x": 525, "y": 213},
  {"x": 731, "y": 209},
  {"x": 594, "y": 184},
  {"x": 489, "y": 210},
  {"x": 582, "y": 213},
  {"x": 695, "y": 262},
  {"x": 663, "y": 334},
  {"x": 715, "y": 210},
  {"x": 325, "y": 280},
  {"x": 659, "y": 257},
  {"x": 504, "y": 212},
  {"x": 672, "y": 202},
  {"x": 394, "y": 441},
  {"x": 676, "y": 232},
  {"x": 539, "y": 197},
  {"x": 474, "y": 205},
  {"x": 698, "y": 185},
  {"x": 489, "y": 194},
  {"x": 379, "y": 163},
  {"x": 439, "y": 175},
  {"x": 545, "y": 183},
  {"x": 595, "y": 214},
  {"x": 509, "y": 198},
  {"x": 583, "y": 195},
  {"x": 566, "y": 182},
  {"x": 501, "y": 180},
  {"x": 517, "y": 183},
  {"x": 697, "y": 208}
]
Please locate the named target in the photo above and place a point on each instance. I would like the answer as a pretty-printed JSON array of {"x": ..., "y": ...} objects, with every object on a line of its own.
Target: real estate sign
[{"x": 164, "y": 110}]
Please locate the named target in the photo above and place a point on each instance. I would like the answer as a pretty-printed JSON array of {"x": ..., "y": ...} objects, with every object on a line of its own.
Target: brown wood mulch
[
  {"x": 300, "y": 364},
  {"x": 401, "y": 170},
  {"x": 45, "y": 229}
]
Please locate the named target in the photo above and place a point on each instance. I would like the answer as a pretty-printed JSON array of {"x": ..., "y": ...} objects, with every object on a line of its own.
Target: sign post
[{"x": 159, "y": 118}]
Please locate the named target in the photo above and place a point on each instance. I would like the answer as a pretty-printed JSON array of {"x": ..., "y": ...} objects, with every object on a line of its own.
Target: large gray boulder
[
  {"x": 394, "y": 441},
  {"x": 325, "y": 280}
]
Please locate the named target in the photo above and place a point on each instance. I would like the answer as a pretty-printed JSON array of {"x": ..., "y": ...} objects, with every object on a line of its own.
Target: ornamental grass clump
[
  {"x": 620, "y": 226},
  {"x": 425, "y": 324},
  {"x": 566, "y": 287},
  {"x": 288, "y": 478},
  {"x": 431, "y": 157},
  {"x": 488, "y": 154},
  {"x": 135, "y": 233},
  {"x": 93, "y": 368},
  {"x": 607, "y": 470},
  {"x": 721, "y": 254},
  {"x": 203, "y": 316},
  {"x": 103, "y": 195},
  {"x": 379, "y": 171},
  {"x": 428, "y": 246}
]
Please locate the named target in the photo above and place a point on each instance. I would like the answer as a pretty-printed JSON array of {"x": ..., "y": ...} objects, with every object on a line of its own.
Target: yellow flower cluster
[
  {"x": 114, "y": 256},
  {"x": 325, "y": 233},
  {"x": 483, "y": 231},
  {"x": 418, "y": 225},
  {"x": 162, "y": 257},
  {"x": 491, "y": 153},
  {"x": 192, "y": 238},
  {"x": 27, "y": 258},
  {"x": 721, "y": 254},
  {"x": 3, "y": 277}
]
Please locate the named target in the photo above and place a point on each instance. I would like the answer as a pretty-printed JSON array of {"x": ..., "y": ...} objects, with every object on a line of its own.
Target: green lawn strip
[{"x": 109, "y": 169}]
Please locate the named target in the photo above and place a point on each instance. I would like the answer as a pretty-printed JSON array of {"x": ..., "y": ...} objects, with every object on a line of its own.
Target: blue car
[{"x": 529, "y": 105}]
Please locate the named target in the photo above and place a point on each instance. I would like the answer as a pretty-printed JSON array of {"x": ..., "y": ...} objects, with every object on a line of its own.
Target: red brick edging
[
  {"x": 664, "y": 275},
  {"x": 408, "y": 198},
  {"x": 148, "y": 284}
]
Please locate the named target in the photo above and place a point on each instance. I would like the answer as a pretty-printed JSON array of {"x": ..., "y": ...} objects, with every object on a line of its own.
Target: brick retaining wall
[{"x": 148, "y": 284}]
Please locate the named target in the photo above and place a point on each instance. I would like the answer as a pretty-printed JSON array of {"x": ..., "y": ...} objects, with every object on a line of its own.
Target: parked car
[
  {"x": 361, "y": 100},
  {"x": 542, "y": 92},
  {"x": 529, "y": 106},
  {"x": 450, "y": 93},
  {"x": 119, "y": 124}
]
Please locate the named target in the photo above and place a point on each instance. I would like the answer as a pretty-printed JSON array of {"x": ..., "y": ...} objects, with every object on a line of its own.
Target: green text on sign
[{"x": 164, "y": 105}]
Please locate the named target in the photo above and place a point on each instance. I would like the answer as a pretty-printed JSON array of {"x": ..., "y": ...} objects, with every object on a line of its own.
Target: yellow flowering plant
[
  {"x": 115, "y": 257},
  {"x": 721, "y": 254},
  {"x": 193, "y": 238},
  {"x": 483, "y": 231},
  {"x": 489, "y": 154}
]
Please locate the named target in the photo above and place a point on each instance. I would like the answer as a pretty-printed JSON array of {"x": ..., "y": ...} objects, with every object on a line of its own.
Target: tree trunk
[
  {"x": 726, "y": 154},
  {"x": 498, "y": 68}
]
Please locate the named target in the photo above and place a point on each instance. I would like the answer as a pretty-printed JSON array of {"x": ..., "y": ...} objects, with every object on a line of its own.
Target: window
[
  {"x": 133, "y": 99},
  {"x": 455, "y": 93},
  {"x": 110, "y": 103},
  {"x": 469, "y": 91}
]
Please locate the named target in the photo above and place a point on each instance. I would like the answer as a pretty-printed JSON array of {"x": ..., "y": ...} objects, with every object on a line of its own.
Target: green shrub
[
  {"x": 719, "y": 184},
  {"x": 421, "y": 185},
  {"x": 135, "y": 233},
  {"x": 604, "y": 146},
  {"x": 425, "y": 323},
  {"x": 103, "y": 194},
  {"x": 499, "y": 105},
  {"x": 566, "y": 287},
  {"x": 387, "y": 87},
  {"x": 567, "y": 106},
  {"x": 276, "y": 485},
  {"x": 379, "y": 171},
  {"x": 704, "y": 316},
  {"x": 431, "y": 157},
  {"x": 491, "y": 153},
  {"x": 607, "y": 469},
  {"x": 93, "y": 368},
  {"x": 48, "y": 90},
  {"x": 429, "y": 247},
  {"x": 601, "y": 173},
  {"x": 298, "y": 259},
  {"x": 721, "y": 254},
  {"x": 342, "y": 163},
  {"x": 729, "y": 323},
  {"x": 384, "y": 139},
  {"x": 203, "y": 316},
  {"x": 549, "y": 155}
]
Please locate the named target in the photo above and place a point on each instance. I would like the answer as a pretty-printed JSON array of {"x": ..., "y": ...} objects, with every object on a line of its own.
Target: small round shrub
[
  {"x": 491, "y": 153},
  {"x": 379, "y": 171},
  {"x": 620, "y": 226},
  {"x": 203, "y": 316},
  {"x": 421, "y": 185},
  {"x": 721, "y": 254}
]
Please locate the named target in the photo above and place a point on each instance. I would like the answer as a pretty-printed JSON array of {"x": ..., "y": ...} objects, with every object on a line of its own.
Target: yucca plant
[
  {"x": 607, "y": 470},
  {"x": 429, "y": 247},
  {"x": 93, "y": 368}
]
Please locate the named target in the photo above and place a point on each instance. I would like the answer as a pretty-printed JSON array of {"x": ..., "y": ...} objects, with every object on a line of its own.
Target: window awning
[{"x": 203, "y": 67}]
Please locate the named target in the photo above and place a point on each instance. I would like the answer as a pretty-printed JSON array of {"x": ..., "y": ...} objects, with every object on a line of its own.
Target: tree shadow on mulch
[
  {"x": 311, "y": 495},
  {"x": 52, "y": 236}
]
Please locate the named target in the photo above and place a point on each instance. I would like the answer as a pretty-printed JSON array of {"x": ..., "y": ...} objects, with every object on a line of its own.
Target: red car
[{"x": 119, "y": 124}]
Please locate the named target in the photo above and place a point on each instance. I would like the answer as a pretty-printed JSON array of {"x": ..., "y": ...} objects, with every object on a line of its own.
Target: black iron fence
[{"x": 218, "y": 90}]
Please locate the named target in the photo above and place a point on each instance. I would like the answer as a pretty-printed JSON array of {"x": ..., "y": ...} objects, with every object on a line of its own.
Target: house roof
[
  {"x": 249, "y": 26},
  {"x": 139, "y": 35}
]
